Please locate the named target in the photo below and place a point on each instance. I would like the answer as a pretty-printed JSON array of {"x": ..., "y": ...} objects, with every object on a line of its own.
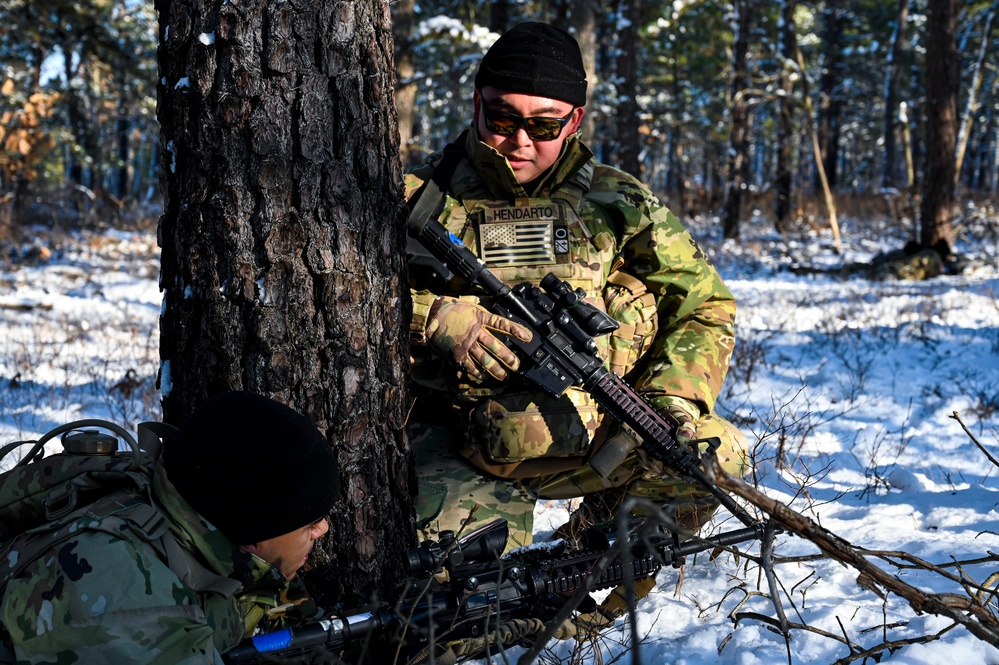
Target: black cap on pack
[
  {"x": 535, "y": 59},
  {"x": 253, "y": 467}
]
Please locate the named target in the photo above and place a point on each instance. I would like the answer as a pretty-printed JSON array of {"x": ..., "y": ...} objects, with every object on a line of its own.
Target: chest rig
[
  {"x": 513, "y": 429},
  {"x": 525, "y": 240}
]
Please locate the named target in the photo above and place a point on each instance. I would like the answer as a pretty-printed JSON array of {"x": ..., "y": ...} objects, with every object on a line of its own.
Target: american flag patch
[{"x": 517, "y": 244}]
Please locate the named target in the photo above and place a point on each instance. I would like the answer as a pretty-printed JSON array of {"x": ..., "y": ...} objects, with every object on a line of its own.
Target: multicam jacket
[
  {"x": 102, "y": 598},
  {"x": 627, "y": 251}
]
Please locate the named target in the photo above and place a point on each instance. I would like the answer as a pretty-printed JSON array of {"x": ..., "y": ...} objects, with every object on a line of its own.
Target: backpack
[{"x": 43, "y": 498}]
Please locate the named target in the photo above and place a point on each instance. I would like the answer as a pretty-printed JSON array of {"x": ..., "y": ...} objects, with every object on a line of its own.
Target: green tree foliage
[
  {"x": 94, "y": 60},
  {"x": 99, "y": 137}
]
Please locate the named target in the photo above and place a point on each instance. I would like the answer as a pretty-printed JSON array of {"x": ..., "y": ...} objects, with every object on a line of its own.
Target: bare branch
[
  {"x": 956, "y": 416},
  {"x": 965, "y": 611}
]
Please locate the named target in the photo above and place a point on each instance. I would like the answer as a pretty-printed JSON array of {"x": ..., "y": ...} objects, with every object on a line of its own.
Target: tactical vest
[{"x": 514, "y": 430}]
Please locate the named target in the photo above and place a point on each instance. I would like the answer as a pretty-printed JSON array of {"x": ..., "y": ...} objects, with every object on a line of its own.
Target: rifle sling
[{"x": 429, "y": 198}]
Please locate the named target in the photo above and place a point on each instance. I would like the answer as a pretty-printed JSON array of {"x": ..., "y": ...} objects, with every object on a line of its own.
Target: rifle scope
[{"x": 483, "y": 545}]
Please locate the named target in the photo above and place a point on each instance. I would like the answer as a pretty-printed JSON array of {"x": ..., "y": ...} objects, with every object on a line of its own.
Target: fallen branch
[
  {"x": 24, "y": 305},
  {"x": 963, "y": 610}
]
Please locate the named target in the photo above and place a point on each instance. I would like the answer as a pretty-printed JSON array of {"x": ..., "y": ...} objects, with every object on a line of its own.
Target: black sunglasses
[{"x": 539, "y": 128}]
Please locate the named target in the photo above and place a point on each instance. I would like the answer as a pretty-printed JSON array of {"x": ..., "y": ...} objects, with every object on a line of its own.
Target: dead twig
[
  {"x": 957, "y": 416},
  {"x": 891, "y": 645},
  {"x": 978, "y": 620}
]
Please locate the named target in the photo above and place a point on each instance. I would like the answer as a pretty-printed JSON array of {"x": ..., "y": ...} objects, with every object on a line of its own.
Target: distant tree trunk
[
  {"x": 74, "y": 114},
  {"x": 891, "y": 93},
  {"x": 971, "y": 107},
  {"x": 499, "y": 16},
  {"x": 941, "y": 70},
  {"x": 675, "y": 176},
  {"x": 582, "y": 21},
  {"x": 629, "y": 139},
  {"x": 785, "y": 124},
  {"x": 835, "y": 21},
  {"x": 827, "y": 193},
  {"x": 403, "y": 20},
  {"x": 282, "y": 245},
  {"x": 992, "y": 158},
  {"x": 121, "y": 129},
  {"x": 738, "y": 161}
]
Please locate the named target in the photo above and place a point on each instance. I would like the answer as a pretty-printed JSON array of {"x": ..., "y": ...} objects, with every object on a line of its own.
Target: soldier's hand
[
  {"x": 681, "y": 414},
  {"x": 463, "y": 332}
]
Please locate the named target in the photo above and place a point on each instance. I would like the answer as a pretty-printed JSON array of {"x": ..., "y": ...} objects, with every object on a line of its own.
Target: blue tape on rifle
[{"x": 279, "y": 639}]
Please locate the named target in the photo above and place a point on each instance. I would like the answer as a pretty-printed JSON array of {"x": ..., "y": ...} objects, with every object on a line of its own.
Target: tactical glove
[
  {"x": 681, "y": 414},
  {"x": 462, "y": 331}
]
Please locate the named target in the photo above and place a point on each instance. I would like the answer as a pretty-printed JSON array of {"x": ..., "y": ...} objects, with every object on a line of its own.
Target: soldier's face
[
  {"x": 529, "y": 157},
  {"x": 289, "y": 552}
]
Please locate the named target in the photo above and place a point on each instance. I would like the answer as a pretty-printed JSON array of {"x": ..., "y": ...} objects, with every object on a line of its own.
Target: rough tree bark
[{"x": 281, "y": 237}]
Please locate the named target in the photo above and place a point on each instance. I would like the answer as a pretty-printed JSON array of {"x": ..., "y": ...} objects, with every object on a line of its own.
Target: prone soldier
[{"x": 181, "y": 576}]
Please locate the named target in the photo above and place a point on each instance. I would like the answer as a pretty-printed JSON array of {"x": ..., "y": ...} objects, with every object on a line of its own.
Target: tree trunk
[
  {"x": 738, "y": 161},
  {"x": 941, "y": 70},
  {"x": 830, "y": 95},
  {"x": 122, "y": 128},
  {"x": 582, "y": 23},
  {"x": 891, "y": 93},
  {"x": 282, "y": 244},
  {"x": 992, "y": 158},
  {"x": 74, "y": 114},
  {"x": 629, "y": 138},
  {"x": 827, "y": 194},
  {"x": 499, "y": 16},
  {"x": 785, "y": 144},
  {"x": 403, "y": 18},
  {"x": 972, "y": 105}
]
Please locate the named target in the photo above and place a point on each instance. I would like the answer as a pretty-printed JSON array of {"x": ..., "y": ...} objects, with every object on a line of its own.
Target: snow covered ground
[{"x": 851, "y": 383}]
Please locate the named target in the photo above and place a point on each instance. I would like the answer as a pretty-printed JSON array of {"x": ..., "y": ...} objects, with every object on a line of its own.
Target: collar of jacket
[
  {"x": 498, "y": 176},
  {"x": 219, "y": 553}
]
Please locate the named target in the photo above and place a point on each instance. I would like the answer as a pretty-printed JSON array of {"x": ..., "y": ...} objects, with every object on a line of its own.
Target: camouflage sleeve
[
  {"x": 423, "y": 301},
  {"x": 291, "y": 606},
  {"x": 413, "y": 180},
  {"x": 691, "y": 352},
  {"x": 129, "y": 608}
]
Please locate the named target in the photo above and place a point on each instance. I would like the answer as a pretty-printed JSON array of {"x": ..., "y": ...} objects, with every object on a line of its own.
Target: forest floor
[{"x": 852, "y": 384}]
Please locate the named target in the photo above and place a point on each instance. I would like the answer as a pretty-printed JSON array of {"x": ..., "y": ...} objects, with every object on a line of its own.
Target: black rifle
[
  {"x": 562, "y": 352},
  {"x": 484, "y": 590}
]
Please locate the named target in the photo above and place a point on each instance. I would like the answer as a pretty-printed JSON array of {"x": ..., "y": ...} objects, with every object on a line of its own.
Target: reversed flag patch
[{"x": 524, "y": 235}]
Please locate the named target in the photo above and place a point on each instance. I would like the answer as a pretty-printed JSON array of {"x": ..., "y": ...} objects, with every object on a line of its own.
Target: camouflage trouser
[
  {"x": 450, "y": 487},
  {"x": 454, "y": 493}
]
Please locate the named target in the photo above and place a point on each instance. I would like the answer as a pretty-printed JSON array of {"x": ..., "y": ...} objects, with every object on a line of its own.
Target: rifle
[
  {"x": 562, "y": 352},
  {"x": 484, "y": 590}
]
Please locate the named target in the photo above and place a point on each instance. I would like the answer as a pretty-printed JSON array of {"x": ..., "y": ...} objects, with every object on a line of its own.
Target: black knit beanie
[
  {"x": 253, "y": 467},
  {"x": 535, "y": 59}
]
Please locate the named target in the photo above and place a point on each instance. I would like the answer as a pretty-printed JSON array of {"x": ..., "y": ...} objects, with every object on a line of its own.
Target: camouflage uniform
[
  {"x": 102, "y": 598},
  {"x": 500, "y": 445}
]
